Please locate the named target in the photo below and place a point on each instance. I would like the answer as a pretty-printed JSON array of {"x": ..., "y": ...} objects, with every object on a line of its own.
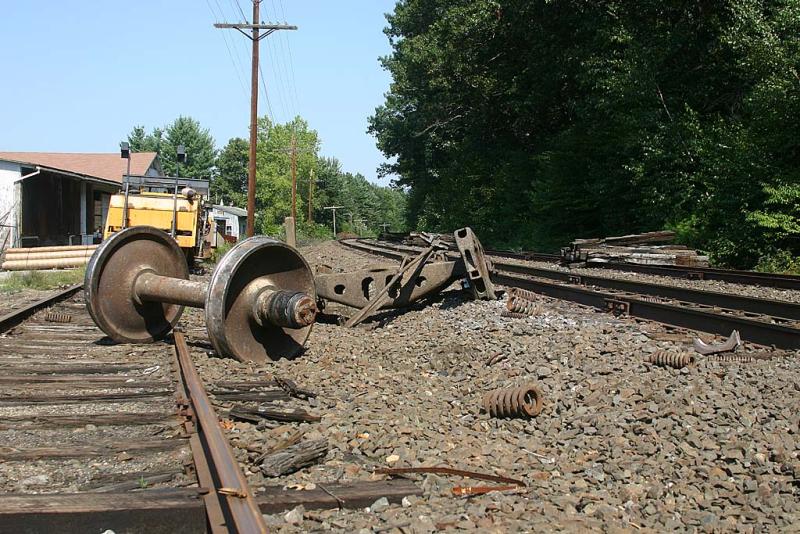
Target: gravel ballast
[{"x": 620, "y": 444}]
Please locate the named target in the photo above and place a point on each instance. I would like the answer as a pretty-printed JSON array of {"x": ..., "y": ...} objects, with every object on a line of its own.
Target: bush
[
  {"x": 217, "y": 253},
  {"x": 781, "y": 262}
]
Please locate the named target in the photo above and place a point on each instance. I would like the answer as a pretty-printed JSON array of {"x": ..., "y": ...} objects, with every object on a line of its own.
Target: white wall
[{"x": 9, "y": 174}]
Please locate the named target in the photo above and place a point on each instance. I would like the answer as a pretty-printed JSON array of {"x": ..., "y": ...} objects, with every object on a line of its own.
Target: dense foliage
[
  {"x": 197, "y": 141},
  {"x": 365, "y": 206},
  {"x": 537, "y": 121}
]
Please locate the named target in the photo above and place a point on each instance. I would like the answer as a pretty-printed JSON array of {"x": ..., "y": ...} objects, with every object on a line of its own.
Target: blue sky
[{"x": 78, "y": 75}]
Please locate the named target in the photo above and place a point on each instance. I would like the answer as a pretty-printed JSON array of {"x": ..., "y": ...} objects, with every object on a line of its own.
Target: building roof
[
  {"x": 107, "y": 166},
  {"x": 233, "y": 210}
]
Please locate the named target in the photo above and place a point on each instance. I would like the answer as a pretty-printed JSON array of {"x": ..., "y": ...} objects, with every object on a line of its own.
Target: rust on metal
[
  {"x": 463, "y": 491},
  {"x": 259, "y": 304},
  {"x": 410, "y": 268},
  {"x": 448, "y": 471},
  {"x": 477, "y": 265},
  {"x": 514, "y": 315},
  {"x": 729, "y": 345},
  {"x": 236, "y": 325},
  {"x": 522, "y": 401},
  {"x": 670, "y": 359},
  {"x": 236, "y": 495},
  {"x": 735, "y": 358},
  {"x": 357, "y": 288},
  {"x": 522, "y": 306},
  {"x": 523, "y": 294},
  {"x": 56, "y": 317}
]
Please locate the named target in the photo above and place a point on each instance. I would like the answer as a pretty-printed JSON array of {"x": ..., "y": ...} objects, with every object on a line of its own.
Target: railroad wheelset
[{"x": 260, "y": 303}]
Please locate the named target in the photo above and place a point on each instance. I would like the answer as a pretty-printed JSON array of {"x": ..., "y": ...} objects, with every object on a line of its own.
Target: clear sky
[{"x": 76, "y": 76}]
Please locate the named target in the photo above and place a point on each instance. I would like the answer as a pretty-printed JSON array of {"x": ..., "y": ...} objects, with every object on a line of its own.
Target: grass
[{"x": 41, "y": 280}]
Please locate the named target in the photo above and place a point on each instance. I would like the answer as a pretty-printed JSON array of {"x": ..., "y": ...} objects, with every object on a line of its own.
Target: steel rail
[
  {"x": 685, "y": 314},
  {"x": 763, "y": 330},
  {"x": 774, "y": 308},
  {"x": 230, "y": 485},
  {"x": 17, "y": 316},
  {"x": 782, "y": 281}
]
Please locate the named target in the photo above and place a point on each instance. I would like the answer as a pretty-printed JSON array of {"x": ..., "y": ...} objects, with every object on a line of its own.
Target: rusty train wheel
[
  {"x": 249, "y": 267},
  {"x": 110, "y": 277}
]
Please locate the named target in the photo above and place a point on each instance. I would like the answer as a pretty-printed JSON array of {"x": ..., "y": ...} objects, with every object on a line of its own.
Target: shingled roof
[{"x": 107, "y": 166}]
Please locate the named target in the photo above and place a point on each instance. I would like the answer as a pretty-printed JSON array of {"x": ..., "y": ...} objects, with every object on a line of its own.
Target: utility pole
[
  {"x": 310, "y": 195},
  {"x": 255, "y": 37},
  {"x": 385, "y": 226},
  {"x": 334, "y": 208},
  {"x": 294, "y": 177}
]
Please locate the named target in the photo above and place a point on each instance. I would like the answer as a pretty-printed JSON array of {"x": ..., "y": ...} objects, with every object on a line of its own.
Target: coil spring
[
  {"x": 650, "y": 298},
  {"x": 518, "y": 305},
  {"x": 55, "y": 317},
  {"x": 513, "y": 315},
  {"x": 516, "y": 292},
  {"x": 523, "y": 401},
  {"x": 669, "y": 359},
  {"x": 732, "y": 358}
]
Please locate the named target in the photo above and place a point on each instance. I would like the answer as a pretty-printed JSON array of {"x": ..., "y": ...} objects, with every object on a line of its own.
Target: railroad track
[
  {"x": 761, "y": 321},
  {"x": 101, "y": 436},
  {"x": 781, "y": 281}
]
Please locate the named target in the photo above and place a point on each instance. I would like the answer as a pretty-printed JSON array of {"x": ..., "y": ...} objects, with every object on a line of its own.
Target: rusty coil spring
[
  {"x": 650, "y": 298},
  {"x": 519, "y": 305},
  {"x": 516, "y": 292},
  {"x": 523, "y": 401},
  {"x": 669, "y": 359},
  {"x": 513, "y": 315},
  {"x": 732, "y": 358},
  {"x": 55, "y": 317}
]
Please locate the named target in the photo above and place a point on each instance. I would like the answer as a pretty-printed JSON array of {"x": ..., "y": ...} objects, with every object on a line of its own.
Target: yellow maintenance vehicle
[{"x": 175, "y": 205}]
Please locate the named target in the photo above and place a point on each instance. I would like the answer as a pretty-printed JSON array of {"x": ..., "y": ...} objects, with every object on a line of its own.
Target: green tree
[
  {"x": 230, "y": 181},
  {"x": 537, "y": 122},
  {"x": 186, "y": 131}
]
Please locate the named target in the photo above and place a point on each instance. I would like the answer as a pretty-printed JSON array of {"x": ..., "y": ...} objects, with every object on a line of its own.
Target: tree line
[
  {"x": 321, "y": 178},
  {"x": 537, "y": 122}
]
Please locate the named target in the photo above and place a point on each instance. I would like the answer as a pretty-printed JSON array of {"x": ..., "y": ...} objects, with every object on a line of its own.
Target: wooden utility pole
[
  {"x": 310, "y": 196},
  {"x": 294, "y": 177},
  {"x": 256, "y": 37}
]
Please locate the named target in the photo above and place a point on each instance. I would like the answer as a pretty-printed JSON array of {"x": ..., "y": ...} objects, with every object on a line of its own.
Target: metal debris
[
  {"x": 522, "y": 306},
  {"x": 448, "y": 471},
  {"x": 731, "y": 344},
  {"x": 462, "y": 491},
  {"x": 734, "y": 358},
  {"x": 56, "y": 317},
  {"x": 513, "y": 315},
  {"x": 670, "y": 359},
  {"x": 523, "y": 401}
]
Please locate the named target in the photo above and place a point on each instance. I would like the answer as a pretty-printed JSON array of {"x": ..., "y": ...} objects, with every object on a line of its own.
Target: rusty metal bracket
[
  {"x": 694, "y": 275},
  {"x": 618, "y": 307},
  {"x": 357, "y": 288},
  {"x": 477, "y": 265}
]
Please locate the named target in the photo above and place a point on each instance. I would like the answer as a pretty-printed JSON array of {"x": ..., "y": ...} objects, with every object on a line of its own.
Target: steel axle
[{"x": 259, "y": 304}]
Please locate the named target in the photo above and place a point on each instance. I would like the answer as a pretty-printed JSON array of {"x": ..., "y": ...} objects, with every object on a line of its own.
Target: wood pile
[{"x": 651, "y": 248}]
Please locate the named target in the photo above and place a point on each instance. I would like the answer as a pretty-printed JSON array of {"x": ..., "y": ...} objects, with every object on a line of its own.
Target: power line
[
  {"x": 236, "y": 65},
  {"x": 291, "y": 59},
  {"x": 255, "y": 37},
  {"x": 286, "y": 79}
]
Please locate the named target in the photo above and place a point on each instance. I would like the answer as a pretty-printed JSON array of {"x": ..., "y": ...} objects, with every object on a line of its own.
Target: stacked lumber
[
  {"x": 651, "y": 248},
  {"x": 37, "y": 258}
]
